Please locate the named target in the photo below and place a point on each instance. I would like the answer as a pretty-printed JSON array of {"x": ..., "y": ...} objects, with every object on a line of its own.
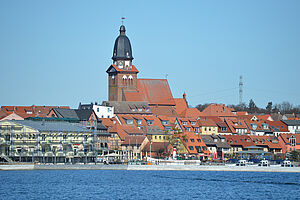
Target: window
[
  {"x": 97, "y": 109},
  {"x": 139, "y": 121},
  {"x": 155, "y": 137},
  {"x": 186, "y": 140},
  {"x": 129, "y": 121},
  {"x": 160, "y": 137},
  {"x": 223, "y": 128},
  {"x": 192, "y": 140},
  {"x": 193, "y": 123},
  {"x": 149, "y": 122},
  {"x": 204, "y": 148},
  {"x": 205, "y": 129},
  {"x": 292, "y": 140},
  {"x": 209, "y": 129},
  {"x": 191, "y": 148},
  {"x": 184, "y": 123},
  {"x": 165, "y": 122},
  {"x": 198, "y": 148},
  {"x": 198, "y": 140}
]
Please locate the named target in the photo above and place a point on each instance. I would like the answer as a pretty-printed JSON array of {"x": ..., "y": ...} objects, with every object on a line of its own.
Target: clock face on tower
[{"x": 120, "y": 64}]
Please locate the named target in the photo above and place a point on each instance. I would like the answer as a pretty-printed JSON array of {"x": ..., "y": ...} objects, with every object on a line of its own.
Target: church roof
[
  {"x": 122, "y": 48},
  {"x": 154, "y": 91}
]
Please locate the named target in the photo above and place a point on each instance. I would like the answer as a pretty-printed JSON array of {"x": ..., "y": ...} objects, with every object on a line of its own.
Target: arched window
[
  {"x": 130, "y": 78},
  {"x": 124, "y": 79}
]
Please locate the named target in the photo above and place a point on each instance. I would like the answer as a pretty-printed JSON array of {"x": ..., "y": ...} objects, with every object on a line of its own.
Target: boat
[
  {"x": 287, "y": 163},
  {"x": 241, "y": 163},
  {"x": 264, "y": 163}
]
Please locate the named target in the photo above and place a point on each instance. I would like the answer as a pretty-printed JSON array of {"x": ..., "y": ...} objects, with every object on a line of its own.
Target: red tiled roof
[
  {"x": 181, "y": 105},
  {"x": 286, "y": 136},
  {"x": 206, "y": 122},
  {"x": 269, "y": 141},
  {"x": 134, "y": 69},
  {"x": 277, "y": 126},
  {"x": 31, "y": 111},
  {"x": 134, "y": 140},
  {"x": 169, "y": 111},
  {"x": 217, "y": 110},
  {"x": 154, "y": 91},
  {"x": 191, "y": 140},
  {"x": 239, "y": 140}
]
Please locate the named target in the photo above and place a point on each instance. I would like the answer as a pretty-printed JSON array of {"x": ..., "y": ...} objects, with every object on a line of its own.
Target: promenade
[{"x": 153, "y": 168}]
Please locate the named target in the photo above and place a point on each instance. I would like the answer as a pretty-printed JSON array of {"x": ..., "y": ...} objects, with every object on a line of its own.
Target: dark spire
[{"x": 122, "y": 48}]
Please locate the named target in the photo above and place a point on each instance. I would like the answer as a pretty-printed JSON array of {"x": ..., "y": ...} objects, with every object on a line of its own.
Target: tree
[
  {"x": 252, "y": 107},
  {"x": 269, "y": 107},
  {"x": 201, "y": 107}
]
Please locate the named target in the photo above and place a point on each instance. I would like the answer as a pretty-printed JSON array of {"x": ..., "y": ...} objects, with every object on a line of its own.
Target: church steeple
[
  {"x": 122, "y": 75},
  {"x": 122, "y": 54}
]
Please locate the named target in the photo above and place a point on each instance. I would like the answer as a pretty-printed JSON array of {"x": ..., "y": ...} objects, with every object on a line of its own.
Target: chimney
[{"x": 184, "y": 97}]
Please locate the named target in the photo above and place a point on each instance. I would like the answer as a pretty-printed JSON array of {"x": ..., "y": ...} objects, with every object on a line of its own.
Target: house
[
  {"x": 237, "y": 126},
  {"x": 194, "y": 145},
  {"x": 86, "y": 117},
  {"x": 219, "y": 110},
  {"x": 134, "y": 146},
  {"x": 238, "y": 142},
  {"x": 31, "y": 111},
  {"x": 127, "y": 107},
  {"x": 293, "y": 125},
  {"x": 46, "y": 141},
  {"x": 207, "y": 126},
  {"x": 268, "y": 143},
  {"x": 289, "y": 142},
  {"x": 12, "y": 116},
  {"x": 188, "y": 124},
  {"x": 217, "y": 146},
  {"x": 278, "y": 127},
  {"x": 100, "y": 110}
]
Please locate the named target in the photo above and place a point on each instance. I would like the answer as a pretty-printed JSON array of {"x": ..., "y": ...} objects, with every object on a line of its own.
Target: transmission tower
[{"x": 241, "y": 90}]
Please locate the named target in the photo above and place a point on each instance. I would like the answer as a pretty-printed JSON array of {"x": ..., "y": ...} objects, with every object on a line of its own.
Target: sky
[{"x": 57, "y": 52}]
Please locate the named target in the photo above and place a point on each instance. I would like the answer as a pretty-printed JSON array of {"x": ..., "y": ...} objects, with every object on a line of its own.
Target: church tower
[{"x": 122, "y": 75}]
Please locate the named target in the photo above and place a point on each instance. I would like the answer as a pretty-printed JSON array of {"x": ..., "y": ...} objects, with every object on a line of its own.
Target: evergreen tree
[
  {"x": 269, "y": 107},
  {"x": 252, "y": 107}
]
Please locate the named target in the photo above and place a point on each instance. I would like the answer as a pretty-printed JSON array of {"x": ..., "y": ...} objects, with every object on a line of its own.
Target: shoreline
[{"x": 151, "y": 168}]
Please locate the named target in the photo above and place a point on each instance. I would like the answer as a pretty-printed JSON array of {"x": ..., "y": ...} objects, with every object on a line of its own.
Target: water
[{"x": 109, "y": 184}]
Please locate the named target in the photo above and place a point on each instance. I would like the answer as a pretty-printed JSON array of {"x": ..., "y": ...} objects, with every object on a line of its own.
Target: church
[{"x": 125, "y": 86}]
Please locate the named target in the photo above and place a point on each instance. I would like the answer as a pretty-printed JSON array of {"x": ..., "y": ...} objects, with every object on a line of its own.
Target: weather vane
[{"x": 123, "y": 20}]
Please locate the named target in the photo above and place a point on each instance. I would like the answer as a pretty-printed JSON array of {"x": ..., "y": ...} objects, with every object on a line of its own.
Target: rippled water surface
[{"x": 109, "y": 184}]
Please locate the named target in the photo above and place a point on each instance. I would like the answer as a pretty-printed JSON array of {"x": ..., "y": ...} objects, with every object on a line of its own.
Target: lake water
[{"x": 109, "y": 184}]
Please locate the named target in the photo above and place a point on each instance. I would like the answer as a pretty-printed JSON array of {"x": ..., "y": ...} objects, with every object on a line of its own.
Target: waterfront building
[
  {"x": 86, "y": 117},
  {"x": 278, "y": 127},
  {"x": 100, "y": 110},
  {"x": 289, "y": 142},
  {"x": 217, "y": 145},
  {"x": 46, "y": 141},
  {"x": 293, "y": 125},
  {"x": 30, "y": 111},
  {"x": 128, "y": 107},
  {"x": 12, "y": 116},
  {"x": 207, "y": 126}
]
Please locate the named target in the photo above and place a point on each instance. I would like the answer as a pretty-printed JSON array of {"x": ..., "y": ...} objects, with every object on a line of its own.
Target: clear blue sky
[{"x": 57, "y": 52}]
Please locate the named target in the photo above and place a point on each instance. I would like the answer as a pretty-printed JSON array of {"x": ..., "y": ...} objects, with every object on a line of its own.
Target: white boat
[
  {"x": 242, "y": 163},
  {"x": 287, "y": 163},
  {"x": 264, "y": 163}
]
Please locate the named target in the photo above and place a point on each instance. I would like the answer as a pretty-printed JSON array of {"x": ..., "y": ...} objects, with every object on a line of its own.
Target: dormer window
[
  {"x": 184, "y": 123},
  {"x": 165, "y": 122},
  {"x": 129, "y": 121},
  {"x": 149, "y": 122},
  {"x": 139, "y": 121},
  {"x": 193, "y": 123},
  {"x": 215, "y": 140}
]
